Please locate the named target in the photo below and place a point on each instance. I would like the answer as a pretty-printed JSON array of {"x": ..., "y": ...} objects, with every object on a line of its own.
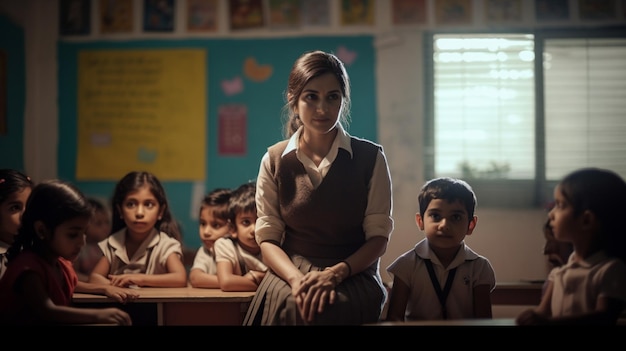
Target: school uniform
[{"x": 320, "y": 223}]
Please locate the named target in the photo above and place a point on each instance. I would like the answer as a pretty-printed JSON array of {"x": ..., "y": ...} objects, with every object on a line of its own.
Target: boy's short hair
[
  {"x": 449, "y": 189},
  {"x": 219, "y": 201},
  {"x": 242, "y": 200}
]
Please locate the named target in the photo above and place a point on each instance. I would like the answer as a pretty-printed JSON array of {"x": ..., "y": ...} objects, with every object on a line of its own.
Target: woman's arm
[{"x": 277, "y": 260}]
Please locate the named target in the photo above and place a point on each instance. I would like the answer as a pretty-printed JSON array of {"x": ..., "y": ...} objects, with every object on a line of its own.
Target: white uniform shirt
[
  {"x": 423, "y": 304},
  {"x": 205, "y": 261},
  {"x": 577, "y": 285},
  {"x": 150, "y": 257},
  {"x": 225, "y": 252}
]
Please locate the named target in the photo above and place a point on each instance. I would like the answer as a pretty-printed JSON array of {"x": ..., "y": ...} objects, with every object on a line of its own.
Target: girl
[
  {"x": 144, "y": 248},
  {"x": 591, "y": 287},
  {"x": 15, "y": 187},
  {"x": 39, "y": 281}
]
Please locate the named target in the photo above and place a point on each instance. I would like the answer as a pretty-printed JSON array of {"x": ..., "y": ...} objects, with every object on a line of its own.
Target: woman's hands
[{"x": 314, "y": 291}]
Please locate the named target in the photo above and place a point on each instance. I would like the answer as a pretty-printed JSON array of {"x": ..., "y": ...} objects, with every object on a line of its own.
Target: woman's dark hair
[
  {"x": 311, "y": 65},
  {"x": 603, "y": 192},
  {"x": 11, "y": 181},
  {"x": 52, "y": 202},
  {"x": 131, "y": 182}
]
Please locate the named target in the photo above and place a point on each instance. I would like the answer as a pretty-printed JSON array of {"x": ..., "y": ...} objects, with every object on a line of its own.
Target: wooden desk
[
  {"x": 517, "y": 293},
  {"x": 454, "y": 322},
  {"x": 179, "y": 306}
]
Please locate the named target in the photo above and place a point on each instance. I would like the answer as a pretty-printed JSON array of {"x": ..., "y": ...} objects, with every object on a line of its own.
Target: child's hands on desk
[
  {"x": 113, "y": 316},
  {"x": 126, "y": 280},
  {"x": 121, "y": 294},
  {"x": 530, "y": 317}
]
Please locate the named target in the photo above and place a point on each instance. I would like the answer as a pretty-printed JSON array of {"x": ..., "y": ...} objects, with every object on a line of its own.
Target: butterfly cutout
[
  {"x": 233, "y": 86},
  {"x": 346, "y": 56}
]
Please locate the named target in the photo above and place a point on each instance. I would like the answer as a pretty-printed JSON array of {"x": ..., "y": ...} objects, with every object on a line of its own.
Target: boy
[
  {"x": 239, "y": 264},
  {"x": 441, "y": 277},
  {"x": 213, "y": 224}
]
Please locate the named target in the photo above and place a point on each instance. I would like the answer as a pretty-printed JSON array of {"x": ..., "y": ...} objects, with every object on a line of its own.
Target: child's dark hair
[
  {"x": 131, "y": 182},
  {"x": 11, "y": 181},
  {"x": 603, "y": 192},
  {"x": 219, "y": 200},
  {"x": 449, "y": 189},
  {"x": 98, "y": 206},
  {"x": 242, "y": 200},
  {"x": 52, "y": 202}
]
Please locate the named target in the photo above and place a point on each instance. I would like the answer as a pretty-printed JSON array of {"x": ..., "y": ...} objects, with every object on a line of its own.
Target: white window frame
[{"x": 508, "y": 193}]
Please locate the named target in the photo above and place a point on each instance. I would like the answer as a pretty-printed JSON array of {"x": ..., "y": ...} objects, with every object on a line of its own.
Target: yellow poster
[{"x": 142, "y": 110}]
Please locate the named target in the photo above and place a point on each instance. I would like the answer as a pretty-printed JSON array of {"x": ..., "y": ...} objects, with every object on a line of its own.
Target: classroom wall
[{"x": 511, "y": 239}]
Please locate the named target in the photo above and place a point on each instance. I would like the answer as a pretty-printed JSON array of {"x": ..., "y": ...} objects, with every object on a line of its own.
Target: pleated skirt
[{"x": 360, "y": 298}]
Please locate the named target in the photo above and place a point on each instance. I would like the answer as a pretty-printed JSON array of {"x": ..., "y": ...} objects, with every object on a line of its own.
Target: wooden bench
[
  {"x": 517, "y": 293},
  {"x": 178, "y": 306}
]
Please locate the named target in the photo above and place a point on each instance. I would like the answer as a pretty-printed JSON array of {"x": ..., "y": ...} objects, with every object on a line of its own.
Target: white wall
[{"x": 512, "y": 240}]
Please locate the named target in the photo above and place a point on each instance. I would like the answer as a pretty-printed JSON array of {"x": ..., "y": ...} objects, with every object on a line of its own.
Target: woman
[{"x": 324, "y": 208}]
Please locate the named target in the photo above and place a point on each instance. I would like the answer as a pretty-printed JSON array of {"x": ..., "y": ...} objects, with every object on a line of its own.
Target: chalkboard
[{"x": 245, "y": 83}]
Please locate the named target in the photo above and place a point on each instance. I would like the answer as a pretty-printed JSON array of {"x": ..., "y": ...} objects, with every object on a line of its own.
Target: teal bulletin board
[{"x": 245, "y": 82}]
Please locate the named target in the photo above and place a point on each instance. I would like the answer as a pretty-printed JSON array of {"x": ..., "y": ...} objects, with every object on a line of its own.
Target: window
[{"x": 512, "y": 113}]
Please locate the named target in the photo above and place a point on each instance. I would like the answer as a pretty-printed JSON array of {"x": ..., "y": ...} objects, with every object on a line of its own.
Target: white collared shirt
[{"x": 377, "y": 221}]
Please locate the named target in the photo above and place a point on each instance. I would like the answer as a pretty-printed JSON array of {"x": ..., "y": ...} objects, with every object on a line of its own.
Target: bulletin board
[
  {"x": 141, "y": 109},
  {"x": 204, "y": 118}
]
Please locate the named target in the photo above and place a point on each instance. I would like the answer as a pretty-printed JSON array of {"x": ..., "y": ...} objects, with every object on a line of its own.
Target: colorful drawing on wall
[
  {"x": 597, "y": 10},
  {"x": 3, "y": 93},
  {"x": 74, "y": 17},
  {"x": 232, "y": 87},
  {"x": 500, "y": 11},
  {"x": 246, "y": 14},
  {"x": 158, "y": 15},
  {"x": 116, "y": 16},
  {"x": 255, "y": 71},
  {"x": 346, "y": 55},
  {"x": 551, "y": 10},
  {"x": 453, "y": 12},
  {"x": 232, "y": 130},
  {"x": 284, "y": 14},
  {"x": 315, "y": 13},
  {"x": 408, "y": 12},
  {"x": 130, "y": 104},
  {"x": 202, "y": 15},
  {"x": 357, "y": 12}
]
